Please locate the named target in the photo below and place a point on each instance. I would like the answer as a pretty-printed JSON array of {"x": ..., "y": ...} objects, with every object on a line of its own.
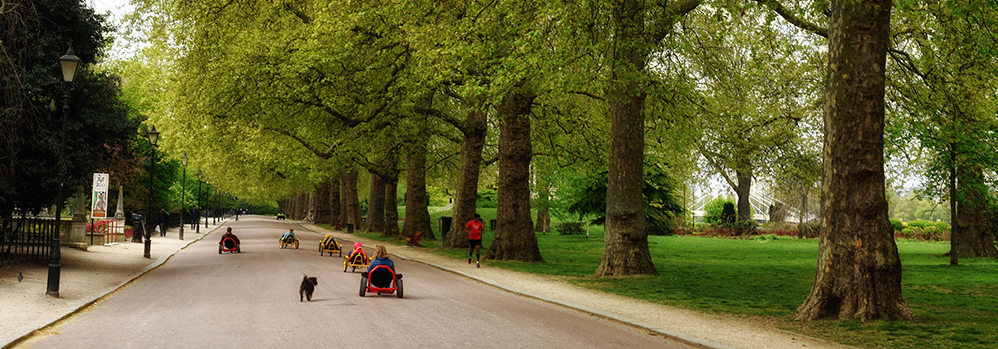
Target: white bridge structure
[{"x": 760, "y": 201}]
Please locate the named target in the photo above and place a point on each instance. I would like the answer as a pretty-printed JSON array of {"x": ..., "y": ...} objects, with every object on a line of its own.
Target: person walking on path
[
  {"x": 194, "y": 218},
  {"x": 474, "y": 230},
  {"x": 163, "y": 220}
]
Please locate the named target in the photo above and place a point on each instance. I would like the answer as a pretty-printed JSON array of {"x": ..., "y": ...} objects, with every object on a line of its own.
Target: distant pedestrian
[
  {"x": 194, "y": 217},
  {"x": 163, "y": 222},
  {"x": 474, "y": 230}
]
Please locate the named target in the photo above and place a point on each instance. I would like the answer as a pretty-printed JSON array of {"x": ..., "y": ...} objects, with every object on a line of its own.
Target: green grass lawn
[{"x": 769, "y": 279}]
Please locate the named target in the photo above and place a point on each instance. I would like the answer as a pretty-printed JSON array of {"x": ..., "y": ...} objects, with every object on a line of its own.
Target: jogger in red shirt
[{"x": 474, "y": 230}]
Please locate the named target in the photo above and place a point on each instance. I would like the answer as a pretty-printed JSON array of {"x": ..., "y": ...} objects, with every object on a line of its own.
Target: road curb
[
  {"x": 159, "y": 262},
  {"x": 674, "y": 335}
]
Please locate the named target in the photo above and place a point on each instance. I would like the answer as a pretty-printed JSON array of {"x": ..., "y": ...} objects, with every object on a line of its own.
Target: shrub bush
[
  {"x": 569, "y": 228},
  {"x": 897, "y": 224},
  {"x": 487, "y": 198},
  {"x": 712, "y": 210},
  {"x": 809, "y": 229}
]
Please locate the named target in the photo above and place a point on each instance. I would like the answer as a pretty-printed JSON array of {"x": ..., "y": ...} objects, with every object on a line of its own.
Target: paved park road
[{"x": 200, "y": 299}]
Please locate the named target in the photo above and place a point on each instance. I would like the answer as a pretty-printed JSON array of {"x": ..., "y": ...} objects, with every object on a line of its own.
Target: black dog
[{"x": 307, "y": 287}]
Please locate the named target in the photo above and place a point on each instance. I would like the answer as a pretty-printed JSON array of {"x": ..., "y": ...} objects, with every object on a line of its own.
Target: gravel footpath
[{"x": 89, "y": 275}]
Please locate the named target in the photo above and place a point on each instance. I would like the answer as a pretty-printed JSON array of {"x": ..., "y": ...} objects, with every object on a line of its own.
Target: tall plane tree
[
  {"x": 858, "y": 271},
  {"x": 638, "y": 27}
]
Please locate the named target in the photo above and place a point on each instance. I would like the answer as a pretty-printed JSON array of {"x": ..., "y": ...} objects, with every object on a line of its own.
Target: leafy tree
[
  {"x": 661, "y": 206},
  {"x": 99, "y": 126},
  {"x": 856, "y": 234},
  {"x": 714, "y": 208},
  {"x": 944, "y": 63}
]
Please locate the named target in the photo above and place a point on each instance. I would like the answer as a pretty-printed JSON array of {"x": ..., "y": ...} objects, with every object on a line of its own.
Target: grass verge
[{"x": 768, "y": 278}]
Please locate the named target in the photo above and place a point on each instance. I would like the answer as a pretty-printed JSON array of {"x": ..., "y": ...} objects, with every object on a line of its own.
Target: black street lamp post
[
  {"x": 69, "y": 64},
  {"x": 183, "y": 193},
  {"x": 207, "y": 201},
  {"x": 197, "y": 218},
  {"x": 153, "y": 137}
]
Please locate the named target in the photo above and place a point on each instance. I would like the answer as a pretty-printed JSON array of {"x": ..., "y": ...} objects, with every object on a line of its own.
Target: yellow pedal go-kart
[
  {"x": 356, "y": 260},
  {"x": 329, "y": 244},
  {"x": 288, "y": 241}
]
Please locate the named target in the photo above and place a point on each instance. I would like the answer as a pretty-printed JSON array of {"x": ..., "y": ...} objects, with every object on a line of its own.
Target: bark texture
[
  {"x": 417, "y": 214},
  {"x": 335, "y": 201},
  {"x": 543, "y": 223},
  {"x": 625, "y": 248},
  {"x": 514, "y": 234},
  {"x": 391, "y": 207},
  {"x": 858, "y": 271},
  {"x": 312, "y": 199},
  {"x": 970, "y": 229},
  {"x": 376, "y": 206},
  {"x": 351, "y": 197},
  {"x": 465, "y": 200},
  {"x": 301, "y": 206},
  {"x": 322, "y": 203},
  {"x": 744, "y": 191}
]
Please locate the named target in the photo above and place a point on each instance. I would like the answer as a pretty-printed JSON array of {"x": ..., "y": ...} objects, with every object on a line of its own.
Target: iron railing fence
[{"x": 26, "y": 238}]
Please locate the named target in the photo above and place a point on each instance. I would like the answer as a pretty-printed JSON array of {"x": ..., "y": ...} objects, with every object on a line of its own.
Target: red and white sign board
[{"x": 99, "y": 207}]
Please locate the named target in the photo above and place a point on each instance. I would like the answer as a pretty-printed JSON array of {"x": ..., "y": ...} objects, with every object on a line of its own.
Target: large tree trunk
[
  {"x": 282, "y": 207},
  {"x": 514, "y": 236},
  {"x": 351, "y": 197},
  {"x": 376, "y": 206},
  {"x": 543, "y": 223},
  {"x": 465, "y": 200},
  {"x": 971, "y": 227},
  {"x": 391, "y": 207},
  {"x": 417, "y": 215},
  {"x": 322, "y": 204},
  {"x": 744, "y": 191},
  {"x": 625, "y": 248},
  {"x": 858, "y": 271},
  {"x": 311, "y": 211},
  {"x": 335, "y": 201},
  {"x": 301, "y": 206}
]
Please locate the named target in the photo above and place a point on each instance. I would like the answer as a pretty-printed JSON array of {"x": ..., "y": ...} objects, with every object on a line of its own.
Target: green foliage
[
  {"x": 661, "y": 204},
  {"x": 897, "y": 224},
  {"x": 713, "y": 209},
  {"x": 569, "y": 228},
  {"x": 487, "y": 198},
  {"x": 437, "y": 196},
  {"x": 34, "y": 35},
  {"x": 728, "y": 214}
]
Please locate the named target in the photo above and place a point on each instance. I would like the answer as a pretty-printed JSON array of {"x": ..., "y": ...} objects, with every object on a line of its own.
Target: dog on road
[{"x": 307, "y": 287}]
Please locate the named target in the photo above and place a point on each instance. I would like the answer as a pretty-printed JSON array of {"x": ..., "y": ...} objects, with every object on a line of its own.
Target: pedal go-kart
[
  {"x": 381, "y": 280},
  {"x": 228, "y": 245},
  {"x": 329, "y": 244},
  {"x": 356, "y": 260},
  {"x": 287, "y": 241}
]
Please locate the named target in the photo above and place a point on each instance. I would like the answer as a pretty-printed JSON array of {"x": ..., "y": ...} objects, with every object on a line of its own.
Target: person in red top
[{"x": 474, "y": 230}]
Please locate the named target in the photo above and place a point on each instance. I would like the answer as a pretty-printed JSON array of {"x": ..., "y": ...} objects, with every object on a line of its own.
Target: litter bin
[{"x": 445, "y": 223}]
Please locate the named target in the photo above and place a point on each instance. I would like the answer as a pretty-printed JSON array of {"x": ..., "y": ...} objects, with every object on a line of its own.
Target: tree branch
[
  {"x": 321, "y": 154},
  {"x": 715, "y": 165},
  {"x": 790, "y": 17}
]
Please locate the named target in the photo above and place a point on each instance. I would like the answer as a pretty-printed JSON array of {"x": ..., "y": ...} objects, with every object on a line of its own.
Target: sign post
[{"x": 98, "y": 208}]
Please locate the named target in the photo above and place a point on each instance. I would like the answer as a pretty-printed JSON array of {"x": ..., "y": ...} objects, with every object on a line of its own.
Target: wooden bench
[{"x": 413, "y": 240}]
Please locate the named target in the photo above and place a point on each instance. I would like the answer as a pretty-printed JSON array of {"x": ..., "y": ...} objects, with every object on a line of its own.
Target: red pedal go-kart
[
  {"x": 228, "y": 245},
  {"x": 381, "y": 280}
]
